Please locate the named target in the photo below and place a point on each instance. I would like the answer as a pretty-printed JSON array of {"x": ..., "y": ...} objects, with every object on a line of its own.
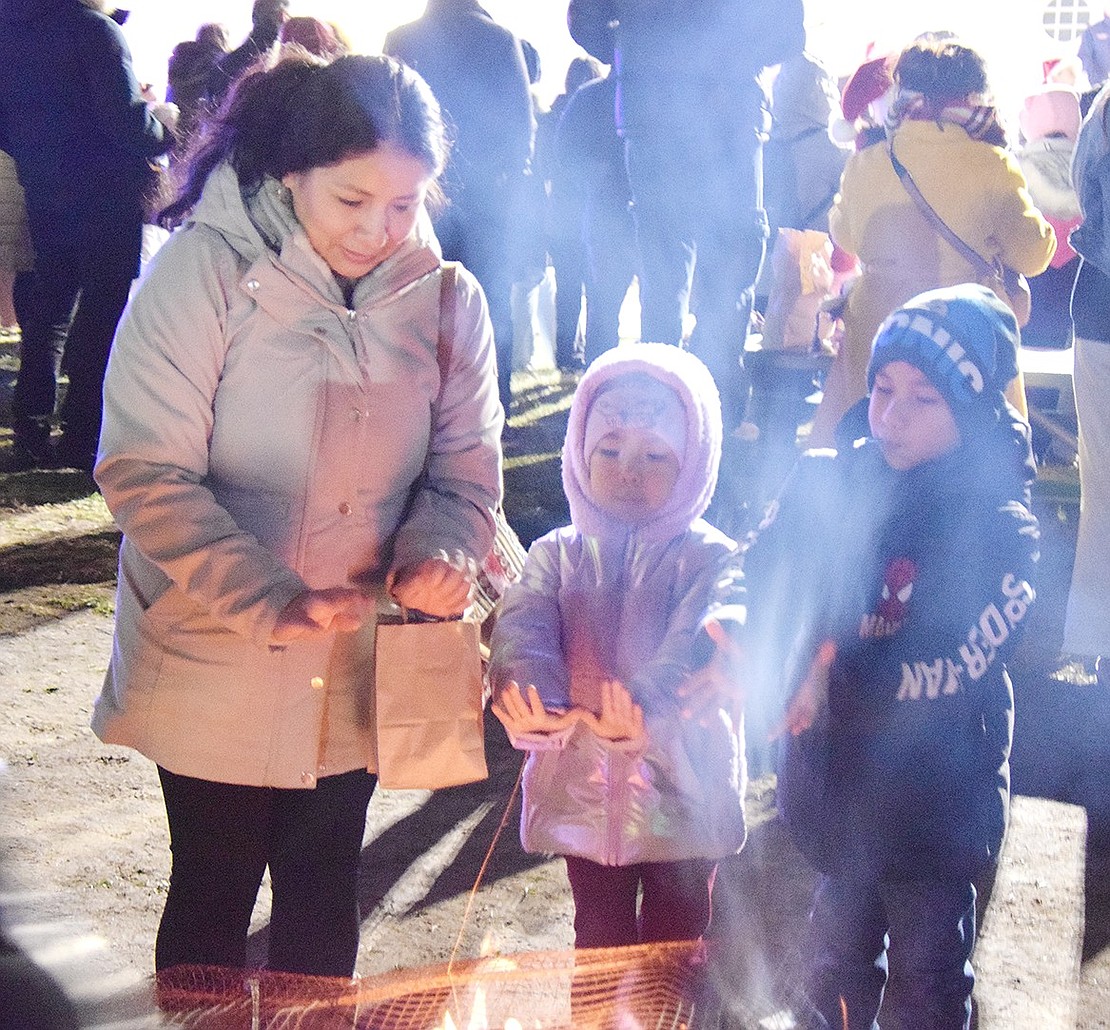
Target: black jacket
[
  {"x": 685, "y": 66},
  {"x": 922, "y": 579},
  {"x": 71, "y": 114},
  {"x": 476, "y": 70}
]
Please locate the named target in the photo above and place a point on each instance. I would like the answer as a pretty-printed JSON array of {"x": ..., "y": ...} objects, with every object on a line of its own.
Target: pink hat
[
  {"x": 867, "y": 83},
  {"x": 1054, "y": 109}
]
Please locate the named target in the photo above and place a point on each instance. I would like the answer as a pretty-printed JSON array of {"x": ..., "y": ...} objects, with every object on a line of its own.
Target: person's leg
[
  {"x": 1086, "y": 627},
  {"x": 665, "y": 242},
  {"x": 612, "y": 262},
  {"x": 567, "y": 258},
  {"x": 481, "y": 220},
  {"x": 731, "y": 233},
  {"x": 604, "y": 903},
  {"x": 8, "y": 318},
  {"x": 932, "y": 934},
  {"x": 45, "y": 300},
  {"x": 316, "y": 844},
  {"x": 677, "y": 900},
  {"x": 729, "y": 258},
  {"x": 218, "y": 835},
  {"x": 106, "y": 274},
  {"x": 848, "y": 967}
]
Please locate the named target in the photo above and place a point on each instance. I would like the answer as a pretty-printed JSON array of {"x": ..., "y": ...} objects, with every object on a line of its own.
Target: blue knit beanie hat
[{"x": 963, "y": 338}]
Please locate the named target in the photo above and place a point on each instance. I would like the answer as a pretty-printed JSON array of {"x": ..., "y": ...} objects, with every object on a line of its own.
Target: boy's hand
[
  {"x": 811, "y": 697},
  {"x": 522, "y": 715},
  {"x": 442, "y": 586},
  {"x": 717, "y": 684},
  {"x": 620, "y": 719},
  {"x": 314, "y": 612}
]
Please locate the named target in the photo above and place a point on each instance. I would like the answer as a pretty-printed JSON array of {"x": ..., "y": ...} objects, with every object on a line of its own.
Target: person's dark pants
[
  {"x": 569, "y": 262},
  {"x": 702, "y": 235},
  {"x": 474, "y": 230},
  {"x": 73, "y": 301},
  {"x": 929, "y": 926},
  {"x": 222, "y": 838},
  {"x": 676, "y": 903},
  {"x": 613, "y": 261}
]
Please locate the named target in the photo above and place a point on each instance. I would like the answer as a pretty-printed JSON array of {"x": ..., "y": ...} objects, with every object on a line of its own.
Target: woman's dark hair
[
  {"x": 941, "y": 69},
  {"x": 305, "y": 113}
]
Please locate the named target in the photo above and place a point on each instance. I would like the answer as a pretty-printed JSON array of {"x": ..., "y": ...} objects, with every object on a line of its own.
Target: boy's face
[
  {"x": 632, "y": 473},
  {"x": 909, "y": 417}
]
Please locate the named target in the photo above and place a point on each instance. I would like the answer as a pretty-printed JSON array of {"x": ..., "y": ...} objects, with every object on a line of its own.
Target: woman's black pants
[{"x": 223, "y": 836}]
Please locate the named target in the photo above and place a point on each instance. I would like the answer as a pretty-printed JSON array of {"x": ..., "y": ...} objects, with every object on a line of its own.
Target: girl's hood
[{"x": 697, "y": 478}]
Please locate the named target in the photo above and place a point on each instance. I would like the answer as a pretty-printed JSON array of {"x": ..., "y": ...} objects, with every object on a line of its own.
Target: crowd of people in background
[{"x": 315, "y": 201}]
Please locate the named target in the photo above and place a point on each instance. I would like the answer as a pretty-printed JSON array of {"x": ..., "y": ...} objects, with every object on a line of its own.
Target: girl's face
[
  {"x": 358, "y": 212},
  {"x": 909, "y": 417},
  {"x": 632, "y": 473}
]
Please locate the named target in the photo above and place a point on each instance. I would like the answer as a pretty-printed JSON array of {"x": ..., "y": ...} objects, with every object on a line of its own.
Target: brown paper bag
[{"x": 428, "y": 689}]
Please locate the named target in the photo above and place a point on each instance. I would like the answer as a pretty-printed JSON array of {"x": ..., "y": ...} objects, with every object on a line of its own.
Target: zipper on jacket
[
  {"x": 617, "y": 784},
  {"x": 617, "y": 792}
]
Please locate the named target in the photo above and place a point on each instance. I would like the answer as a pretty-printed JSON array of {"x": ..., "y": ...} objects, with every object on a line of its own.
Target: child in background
[
  {"x": 1049, "y": 121},
  {"x": 888, "y": 586},
  {"x": 596, "y": 645}
]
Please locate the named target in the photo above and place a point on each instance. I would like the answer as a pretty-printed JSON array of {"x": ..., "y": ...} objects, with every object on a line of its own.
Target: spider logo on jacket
[{"x": 898, "y": 580}]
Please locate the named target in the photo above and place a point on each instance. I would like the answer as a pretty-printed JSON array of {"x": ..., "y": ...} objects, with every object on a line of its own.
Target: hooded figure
[{"x": 614, "y": 597}]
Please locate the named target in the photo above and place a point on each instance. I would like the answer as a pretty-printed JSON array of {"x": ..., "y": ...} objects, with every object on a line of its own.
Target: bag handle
[{"x": 984, "y": 267}]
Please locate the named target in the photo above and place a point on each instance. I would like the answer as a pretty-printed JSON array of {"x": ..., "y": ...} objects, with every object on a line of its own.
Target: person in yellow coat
[{"x": 943, "y": 128}]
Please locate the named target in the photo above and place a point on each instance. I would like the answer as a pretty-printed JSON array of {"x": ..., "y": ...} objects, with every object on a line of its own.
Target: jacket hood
[
  {"x": 264, "y": 223},
  {"x": 697, "y": 477}
]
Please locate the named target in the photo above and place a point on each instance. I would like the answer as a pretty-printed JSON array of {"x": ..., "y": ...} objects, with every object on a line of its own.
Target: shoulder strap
[
  {"x": 447, "y": 277},
  {"x": 976, "y": 259}
]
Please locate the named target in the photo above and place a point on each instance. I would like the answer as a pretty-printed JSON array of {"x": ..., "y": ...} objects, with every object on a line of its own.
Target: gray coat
[{"x": 260, "y": 438}]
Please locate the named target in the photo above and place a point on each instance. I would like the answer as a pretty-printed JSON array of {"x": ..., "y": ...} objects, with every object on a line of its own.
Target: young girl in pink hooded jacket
[{"x": 600, "y": 643}]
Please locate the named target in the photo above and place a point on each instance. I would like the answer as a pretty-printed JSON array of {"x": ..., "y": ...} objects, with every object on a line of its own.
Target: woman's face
[{"x": 358, "y": 212}]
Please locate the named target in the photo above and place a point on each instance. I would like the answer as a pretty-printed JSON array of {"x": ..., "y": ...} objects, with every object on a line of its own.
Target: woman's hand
[
  {"x": 620, "y": 719},
  {"x": 439, "y": 586},
  {"x": 717, "y": 684},
  {"x": 521, "y": 715},
  {"x": 314, "y": 612},
  {"x": 811, "y": 697}
]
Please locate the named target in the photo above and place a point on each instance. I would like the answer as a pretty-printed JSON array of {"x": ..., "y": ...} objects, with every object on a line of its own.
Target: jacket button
[
  {"x": 317, "y": 682},
  {"x": 308, "y": 780},
  {"x": 356, "y": 414},
  {"x": 253, "y": 284},
  {"x": 345, "y": 509}
]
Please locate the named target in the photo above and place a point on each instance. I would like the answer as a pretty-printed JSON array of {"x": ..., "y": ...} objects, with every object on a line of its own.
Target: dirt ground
[{"x": 83, "y": 850}]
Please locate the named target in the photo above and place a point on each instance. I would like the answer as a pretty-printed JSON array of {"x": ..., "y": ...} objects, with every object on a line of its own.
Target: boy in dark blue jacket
[{"x": 888, "y": 584}]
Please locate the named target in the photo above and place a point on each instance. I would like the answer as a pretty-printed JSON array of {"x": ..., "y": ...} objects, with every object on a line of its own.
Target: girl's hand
[
  {"x": 441, "y": 586},
  {"x": 315, "y": 612},
  {"x": 521, "y": 715},
  {"x": 620, "y": 719},
  {"x": 811, "y": 697}
]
